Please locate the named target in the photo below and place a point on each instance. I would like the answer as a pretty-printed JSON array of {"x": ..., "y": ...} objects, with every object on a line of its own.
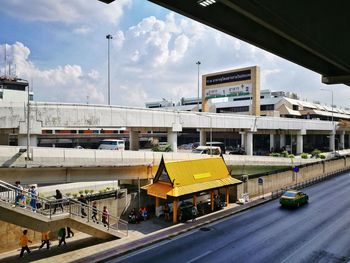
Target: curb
[{"x": 161, "y": 236}]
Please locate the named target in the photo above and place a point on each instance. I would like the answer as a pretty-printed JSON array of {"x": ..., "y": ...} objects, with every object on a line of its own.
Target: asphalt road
[{"x": 316, "y": 232}]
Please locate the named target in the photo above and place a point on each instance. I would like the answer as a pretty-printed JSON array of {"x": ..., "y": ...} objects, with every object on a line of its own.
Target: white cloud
[
  {"x": 83, "y": 30},
  {"x": 68, "y": 83},
  {"x": 156, "y": 59},
  {"x": 77, "y": 11}
]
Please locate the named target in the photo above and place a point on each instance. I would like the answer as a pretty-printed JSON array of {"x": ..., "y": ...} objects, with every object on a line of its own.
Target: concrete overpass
[
  {"x": 59, "y": 165},
  {"x": 51, "y": 116}
]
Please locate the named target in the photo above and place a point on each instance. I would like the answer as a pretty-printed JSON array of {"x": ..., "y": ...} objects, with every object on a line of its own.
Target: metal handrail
[{"x": 12, "y": 195}]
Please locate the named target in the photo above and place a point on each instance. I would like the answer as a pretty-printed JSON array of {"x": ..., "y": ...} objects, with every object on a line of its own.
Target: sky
[{"x": 60, "y": 47}]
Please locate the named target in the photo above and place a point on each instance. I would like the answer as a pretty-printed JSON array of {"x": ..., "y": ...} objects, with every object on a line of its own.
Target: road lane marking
[{"x": 200, "y": 256}]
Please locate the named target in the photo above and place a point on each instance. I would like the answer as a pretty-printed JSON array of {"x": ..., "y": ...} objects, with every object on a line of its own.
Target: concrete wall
[
  {"x": 10, "y": 234},
  {"x": 280, "y": 180}
]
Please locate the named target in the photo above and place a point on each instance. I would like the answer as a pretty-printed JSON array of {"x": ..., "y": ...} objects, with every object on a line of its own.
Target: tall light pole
[
  {"x": 198, "y": 63},
  {"x": 28, "y": 125},
  {"x": 333, "y": 127},
  {"x": 109, "y": 37}
]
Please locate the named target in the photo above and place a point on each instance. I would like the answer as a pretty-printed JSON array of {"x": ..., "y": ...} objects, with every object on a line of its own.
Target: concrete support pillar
[
  {"x": 202, "y": 137},
  {"x": 272, "y": 141},
  {"x": 249, "y": 144},
  {"x": 175, "y": 211},
  {"x": 212, "y": 200},
  {"x": 134, "y": 140},
  {"x": 243, "y": 139},
  {"x": 282, "y": 140},
  {"x": 342, "y": 141},
  {"x": 172, "y": 140},
  {"x": 332, "y": 142},
  {"x": 299, "y": 144},
  {"x": 22, "y": 140}
]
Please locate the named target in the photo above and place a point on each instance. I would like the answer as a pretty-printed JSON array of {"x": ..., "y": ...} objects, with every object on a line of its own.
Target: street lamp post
[
  {"x": 198, "y": 63},
  {"x": 333, "y": 127},
  {"x": 109, "y": 37},
  {"x": 28, "y": 124}
]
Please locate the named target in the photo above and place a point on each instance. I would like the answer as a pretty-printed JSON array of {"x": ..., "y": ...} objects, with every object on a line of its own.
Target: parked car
[
  {"x": 293, "y": 198},
  {"x": 207, "y": 150},
  {"x": 238, "y": 150}
]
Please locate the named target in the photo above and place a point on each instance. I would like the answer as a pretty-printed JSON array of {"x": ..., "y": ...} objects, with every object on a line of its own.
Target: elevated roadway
[
  {"x": 59, "y": 165},
  {"x": 316, "y": 232},
  {"x": 57, "y": 116}
]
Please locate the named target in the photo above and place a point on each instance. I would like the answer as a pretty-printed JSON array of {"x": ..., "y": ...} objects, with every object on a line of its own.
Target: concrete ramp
[
  {"x": 38, "y": 222},
  {"x": 44, "y": 219}
]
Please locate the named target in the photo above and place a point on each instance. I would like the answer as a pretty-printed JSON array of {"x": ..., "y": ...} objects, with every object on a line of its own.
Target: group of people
[
  {"x": 26, "y": 197},
  {"x": 137, "y": 217},
  {"x": 45, "y": 239}
]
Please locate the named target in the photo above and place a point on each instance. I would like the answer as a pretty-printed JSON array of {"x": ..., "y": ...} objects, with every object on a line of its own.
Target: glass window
[{"x": 289, "y": 194}]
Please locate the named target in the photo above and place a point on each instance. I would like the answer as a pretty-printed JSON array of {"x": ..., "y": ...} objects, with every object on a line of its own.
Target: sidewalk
[{"x": 140, "y": 235}]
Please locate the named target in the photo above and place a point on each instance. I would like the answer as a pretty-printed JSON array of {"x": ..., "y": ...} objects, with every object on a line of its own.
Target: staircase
[{"x": 75, "y": 214}]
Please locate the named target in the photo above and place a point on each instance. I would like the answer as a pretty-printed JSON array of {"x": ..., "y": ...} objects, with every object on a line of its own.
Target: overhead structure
[{"x": 313, "y": 34}]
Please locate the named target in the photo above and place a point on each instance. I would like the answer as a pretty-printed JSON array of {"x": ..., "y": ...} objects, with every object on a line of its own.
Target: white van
[{"x": 112, "y": 144}]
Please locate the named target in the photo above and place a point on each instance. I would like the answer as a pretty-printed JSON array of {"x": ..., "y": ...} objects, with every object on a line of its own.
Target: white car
[{"x": 112, "y": 144}]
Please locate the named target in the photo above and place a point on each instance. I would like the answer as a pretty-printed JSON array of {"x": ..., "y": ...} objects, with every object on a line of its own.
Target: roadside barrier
[{"x": 297, "y": 186}]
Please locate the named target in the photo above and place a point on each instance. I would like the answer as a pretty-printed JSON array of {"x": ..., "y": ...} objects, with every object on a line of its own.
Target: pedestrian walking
[
  {"x": 94, "y": 212},
  {"x": 18, "y": 192},
  {"x": 23, "y": 241},
  {"x": 58, "y": 197},
  {"x": 105, "y": 217},
  {"x": 45, "y": 240},
  {"x": 83, "y": 201},
  {"x": 62, "y": 236},
  {"x": 33, "y": 197},
  {"x": 69, "y": 232}
]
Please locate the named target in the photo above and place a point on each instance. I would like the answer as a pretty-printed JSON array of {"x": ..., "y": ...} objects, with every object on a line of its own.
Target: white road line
[{"x": 200, "y": 256}]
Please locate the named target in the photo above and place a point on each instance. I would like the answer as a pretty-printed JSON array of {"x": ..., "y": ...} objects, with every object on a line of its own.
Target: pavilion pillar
[
  {"x": 157, "y": 202},
  {"x": 227, "y": 196},
  {"x": 194, "y": 200},
  {"x": 175, "y": 211},
  {"x": 212, "y": 200}
]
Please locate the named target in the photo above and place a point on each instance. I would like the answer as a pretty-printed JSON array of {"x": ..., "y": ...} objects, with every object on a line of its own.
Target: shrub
[
  {"x": 275, "y": 154},
  {"x": 304, "y": 155},
  {"x": 322, "y": 156},
  {"x": 316, "y": 153},
  {"x": 68, "y": 194},
  {"x": 91, "y": 191},
  {"x": 81, "y": 192},
  {"x": 291, "y": 156},
  {"x": 86, "y": 191},
  {"x": 75, "y": 195},
  {"x": 285, "y": 154},
  {"x": 158, "y": 148}
]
